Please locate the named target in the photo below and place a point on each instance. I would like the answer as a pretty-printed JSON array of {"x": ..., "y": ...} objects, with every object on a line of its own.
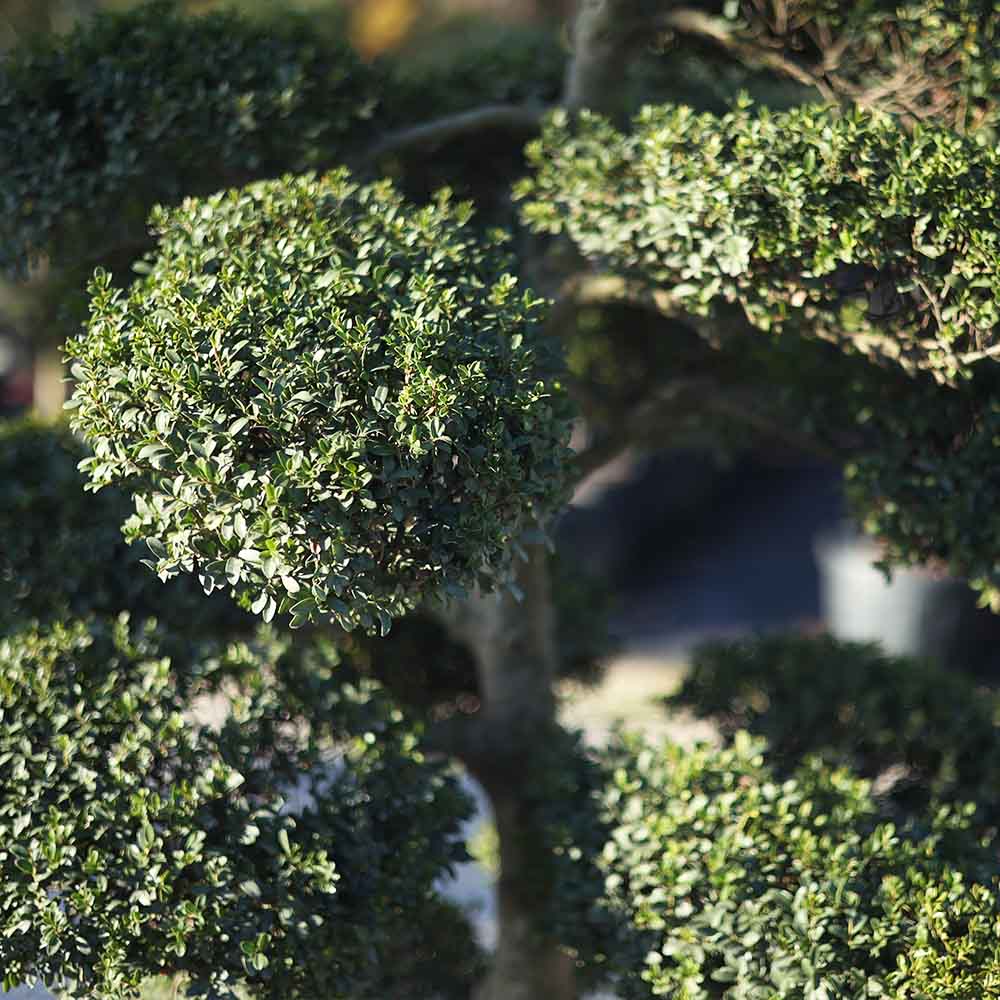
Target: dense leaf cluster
[
  {"x": 928, "y": 732},
  {"x": 63, "y": 554},
  {"x": 746, "y": 886},
  {"x": 333, "y": 404},
  {"x": 843, "y": 228},
  {"x": 149, "y": 105},
  {"x": 135, "y": 841},
  {"x": 329, "y": 401}
]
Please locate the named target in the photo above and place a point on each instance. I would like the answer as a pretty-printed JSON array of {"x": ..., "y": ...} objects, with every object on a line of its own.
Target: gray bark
[
  {"x": 604, "y": 36},
  {"x": 513, "y": 642},
  {"x": 526, "y": 966},
  {"x": 513, "y": 645}
]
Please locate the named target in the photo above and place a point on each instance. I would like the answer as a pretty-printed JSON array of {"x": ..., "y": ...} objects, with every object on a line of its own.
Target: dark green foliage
[
  {"x": 918, "y": 457},
  {"x": 437, "y": 954},
  {"x": 63, "y": 553},
  {"x": 560, "y": 803},
  {"x": 739, "y": 885},
  {"x": 364, "y": 424},
  {"x": 149, "y": 105},
  {"x": 931, "y": 732},
  {"x": 334, "y": 405},
  {"x": 843, "y": 228},
  {"x": 136, "y": 842},
  {"x": 928, "y": 488}
]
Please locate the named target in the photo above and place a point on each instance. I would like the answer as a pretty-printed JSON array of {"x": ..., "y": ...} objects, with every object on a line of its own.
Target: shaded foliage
[
  {"x": 149, "y": 105},
  {"x": 64, "y": 555},
  {"x": 845, "y": 229},
  {"x": 930, "y": 733},
  {"x": 931, "y": 59},
  {"x": 137, "y": 842}
]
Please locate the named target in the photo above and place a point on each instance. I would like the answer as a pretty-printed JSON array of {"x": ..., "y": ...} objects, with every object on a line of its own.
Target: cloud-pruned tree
[{"x": 339, "y": 402}]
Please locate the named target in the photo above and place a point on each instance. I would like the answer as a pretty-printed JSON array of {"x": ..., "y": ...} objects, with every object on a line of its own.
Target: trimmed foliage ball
[
  {"x": 919, "y": 730},
  {"x": 848, "y": 229},
  {"x": 325, "y": 399},
  {"x": 134, "y": 841},
  {"x": 740, "y": 885}
]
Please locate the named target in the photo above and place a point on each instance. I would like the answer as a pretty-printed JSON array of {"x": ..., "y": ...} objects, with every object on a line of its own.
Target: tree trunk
[
  {"x": 513, "y": 645},
  {"x": 526, "y": 966},
  {"x": 28, "y": 18},
  {"x": 603, "y": 36}
]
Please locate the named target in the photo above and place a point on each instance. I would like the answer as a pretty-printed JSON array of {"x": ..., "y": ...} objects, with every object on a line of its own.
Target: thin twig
[{"x": 986, "y": 352}]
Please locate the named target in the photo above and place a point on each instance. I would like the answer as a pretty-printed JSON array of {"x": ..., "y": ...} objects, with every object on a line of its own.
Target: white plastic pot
[{"x": 917, "y": 613}]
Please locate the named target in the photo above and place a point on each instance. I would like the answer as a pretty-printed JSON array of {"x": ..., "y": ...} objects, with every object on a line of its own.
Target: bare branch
[
  {"x": 688, "y": 21},
  {"x": 680, "y": 396},
  {"x": 507, "y": 117},
  {"x": 695, "y": 394}
]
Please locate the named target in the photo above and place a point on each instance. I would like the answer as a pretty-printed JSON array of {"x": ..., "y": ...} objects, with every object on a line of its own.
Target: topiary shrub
[
  {"x": 931, "y": 731},
  {"x": 340, "y": 443},
  {"x": 835, "y": 228},
  {"x": 739, "y": 884},
  {"x": 846, "y": 229},
  {"x": 335, "y": 405},
  {"x": 136, "y": 842},
  {"x": 923, "y": 60}
]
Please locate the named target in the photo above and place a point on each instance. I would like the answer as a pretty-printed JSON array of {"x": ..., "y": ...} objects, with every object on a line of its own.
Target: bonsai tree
[{"x": 334, "y": 398}]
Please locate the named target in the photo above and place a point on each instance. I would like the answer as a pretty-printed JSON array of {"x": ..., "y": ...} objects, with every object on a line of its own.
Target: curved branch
[
  {"x": 681, "y": 396},
  {"x": 509, "y": 117},
  {"x": 597, "y": 289},
  {"x": 676, "y": 395},
  {"x": 686, "y": 394},
  {"x": 688, "y": 21}
]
